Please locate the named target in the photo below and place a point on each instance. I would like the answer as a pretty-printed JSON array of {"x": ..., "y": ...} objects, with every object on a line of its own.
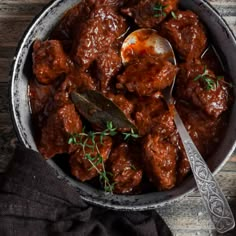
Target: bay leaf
[{"x": 99, "y": 110}]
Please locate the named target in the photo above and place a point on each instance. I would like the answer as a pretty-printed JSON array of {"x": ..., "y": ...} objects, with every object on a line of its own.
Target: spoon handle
[{"x": 213, "y": 198}]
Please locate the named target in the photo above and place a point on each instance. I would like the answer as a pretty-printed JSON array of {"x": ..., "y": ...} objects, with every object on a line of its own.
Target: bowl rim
[{"x": 58, "y": 171}]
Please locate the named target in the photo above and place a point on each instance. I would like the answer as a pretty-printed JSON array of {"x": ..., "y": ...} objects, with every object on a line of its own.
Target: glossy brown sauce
[{"x": 83, "y": 53}]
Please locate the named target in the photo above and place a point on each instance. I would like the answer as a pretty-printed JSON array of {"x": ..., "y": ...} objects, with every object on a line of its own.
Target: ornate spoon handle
[{"x": 212, "y": 196}]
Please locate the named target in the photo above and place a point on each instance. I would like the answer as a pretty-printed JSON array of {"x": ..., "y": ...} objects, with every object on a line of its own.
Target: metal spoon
[{"x": 147, "y": 41}]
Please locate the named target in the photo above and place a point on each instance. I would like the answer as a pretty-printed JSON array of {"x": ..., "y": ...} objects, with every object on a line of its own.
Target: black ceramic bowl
[{"x": 223, "y": 40}]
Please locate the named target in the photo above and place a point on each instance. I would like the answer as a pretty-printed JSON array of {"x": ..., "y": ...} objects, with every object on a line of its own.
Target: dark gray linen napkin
[{"x": 33, "y": 201}]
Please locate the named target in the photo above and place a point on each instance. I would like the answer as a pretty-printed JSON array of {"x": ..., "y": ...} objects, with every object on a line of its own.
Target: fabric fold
[{"x": 33, "y": 201}]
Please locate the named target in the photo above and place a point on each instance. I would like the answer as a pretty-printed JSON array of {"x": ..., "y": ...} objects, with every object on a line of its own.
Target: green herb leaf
[
  {"x": 210, "y": 84},
  {"x": 159, "y": 10},
  {"x": 132, "y": 167},
  {"x": 173, "y": 15},
  {"x": 132, "y": 134}
]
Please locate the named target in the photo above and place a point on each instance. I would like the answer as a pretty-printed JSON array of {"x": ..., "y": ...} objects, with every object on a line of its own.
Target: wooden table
[{"x": 186, "y": 217}]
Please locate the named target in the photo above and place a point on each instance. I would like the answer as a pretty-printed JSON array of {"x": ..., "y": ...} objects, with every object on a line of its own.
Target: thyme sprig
[
  {"x": 174, "y": 15},
  {"x": 84, "y": 139},
  {"x": 210, "y": 84},
  {"x": 220, "y": 78},
  {"x": 159, "y": 10}
]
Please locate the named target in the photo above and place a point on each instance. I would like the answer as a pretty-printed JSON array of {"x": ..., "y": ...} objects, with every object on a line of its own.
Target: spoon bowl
[{"x": 146, "y": 42}]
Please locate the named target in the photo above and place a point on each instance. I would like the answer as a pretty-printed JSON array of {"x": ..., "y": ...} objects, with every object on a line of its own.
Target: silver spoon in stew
[{"x": 148, "y": 42}]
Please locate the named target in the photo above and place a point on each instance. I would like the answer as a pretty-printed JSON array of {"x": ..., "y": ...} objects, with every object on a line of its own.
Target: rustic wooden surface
[{"x": 186, "y": 217}]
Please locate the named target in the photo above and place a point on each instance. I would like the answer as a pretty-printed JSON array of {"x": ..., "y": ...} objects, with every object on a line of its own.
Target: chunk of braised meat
[
  {"x": 201, "y": 127},
  {"x": 110, "y": 3},
  {"x": 108, "y": 65},
  {"x": 146, "y": 109},
  {"x": 97, "y": 35},
  {"x": 149, "y": 13},
  {"x": 183, "y": 165},
  {"x": 122, "y": 102},
  {"x": 125, "y": 170},
  {"x": 199, "y": 85},
  {"x": 159, "y": 159},
  {"x": 164, "y": 124},
  {"x": 81, "y": 167},
  {"x": 58, "y": 127},
  {"x": 62, "y": 96},
  {"x": 153, "y": 115},
  {"x": 186, "y": 34},
  {"x": 145, "y": 76},
  {"x": 75, "y": 81},
  {"x": 71, "y": 21},
  {"x": 40, "y": 95},
  {"x": 49, "y": 61}
]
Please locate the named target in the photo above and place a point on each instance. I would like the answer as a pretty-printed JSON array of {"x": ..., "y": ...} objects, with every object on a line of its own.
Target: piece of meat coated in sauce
[
  {"x": 149, "y": 13},
  {"x": 186, "y": 34},
  {"x": 183, "y": 165},
  {"x": 159, "y": 158},
  {"x": 125, "y": 168},
  {"x": 56, "y": 132},
  {"x": 75, "y": 81},
  {"x": 204, "y": 130},
  {"x": 125, "y": 105},
  {"x": 152, "y": 115},
  {"x": 40, "y": 95},
  {"x": 81, "y": 167},
  {"x": 110, "y": 3},
  {"x": 71, "y": 21},
  {"x": 146, "y": 109},
  {"x": 164, "y": 124},
  {"x": 49, "y": 61},
  {"x": 107, "y": 66},
  {"x": 147, "y": 75},
  {"x": 191, "y": 86},
  {"x": 97, "y": 35}
]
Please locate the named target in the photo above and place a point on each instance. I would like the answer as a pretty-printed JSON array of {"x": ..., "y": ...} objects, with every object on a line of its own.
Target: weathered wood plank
[
  {"x": 19, "y": 8},
  {"x": 231, "y": 20},
  {"x": 7, "y": 140},
  {"x": 227, "y": 182},
  {"x": 229, "y": 10},
  {"x": 189, "y": 214},
  {"x": 231, "y": 165},
  {"x": 4, "y": 103},
  {"x": 5, "y": 65},
  {"x": 12, "y": 29},
  {"x": 7, "y": 52},
  {"x": 222, "y": 2},
  {"x": 27, "y": 1}
]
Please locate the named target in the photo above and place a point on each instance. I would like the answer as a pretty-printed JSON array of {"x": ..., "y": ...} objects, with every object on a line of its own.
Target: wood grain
[
  {"x": 188, "y": 216},
  {"x": 20, "y": 9},
  {"x": 185, "y": 217}
]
